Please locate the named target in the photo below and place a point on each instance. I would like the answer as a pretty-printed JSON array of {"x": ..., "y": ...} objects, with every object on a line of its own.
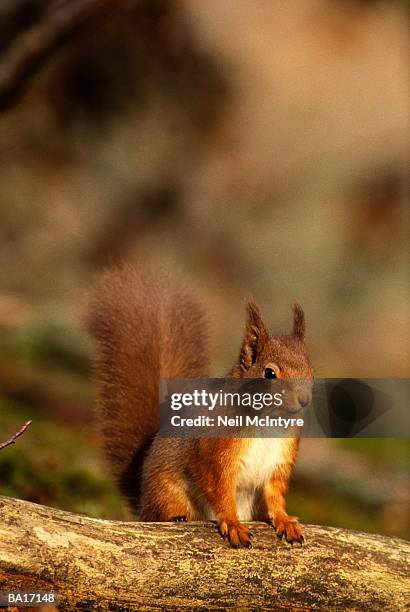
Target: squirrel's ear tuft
[
  {"x": 255, "y": 334},
  {"x": 254, "y": 317},
  {"x": 299, "y": 324}
]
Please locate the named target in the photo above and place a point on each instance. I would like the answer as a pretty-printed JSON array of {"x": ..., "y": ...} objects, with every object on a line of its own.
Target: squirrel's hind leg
[
  {"x": 164, "y": 494},
  {"x": 165, "y": 500}
]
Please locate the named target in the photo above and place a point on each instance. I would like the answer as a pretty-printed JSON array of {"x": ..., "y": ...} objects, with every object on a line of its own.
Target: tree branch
[
  {"x": 33, "y": 47},
  {"x": 105, "y": 565},
  {"x": 15, "y": 436}
]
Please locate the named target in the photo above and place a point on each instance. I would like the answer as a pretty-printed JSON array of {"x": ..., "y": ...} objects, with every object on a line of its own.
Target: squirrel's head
[{"x": 263, "y": 355}]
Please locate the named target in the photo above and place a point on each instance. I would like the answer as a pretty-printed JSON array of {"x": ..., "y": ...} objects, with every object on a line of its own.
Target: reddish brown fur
[{"x": 147, "y": 329}]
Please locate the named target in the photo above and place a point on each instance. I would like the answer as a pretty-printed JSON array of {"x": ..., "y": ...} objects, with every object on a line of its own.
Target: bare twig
[
  {"x": 33, "y": 47},
  {"x": 15, "y": 436}
]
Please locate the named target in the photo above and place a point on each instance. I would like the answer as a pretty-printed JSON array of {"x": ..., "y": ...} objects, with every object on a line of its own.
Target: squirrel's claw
[
  {"x": 237, "y": 534},
  {"x": 179, "y": 519},
  {"x": 288, "y": 528}
]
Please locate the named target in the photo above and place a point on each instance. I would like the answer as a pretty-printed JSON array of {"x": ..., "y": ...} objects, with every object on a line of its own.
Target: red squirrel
[{"x": 148, "y": 327}]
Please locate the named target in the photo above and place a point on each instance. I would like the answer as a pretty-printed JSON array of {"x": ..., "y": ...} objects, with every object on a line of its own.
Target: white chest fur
[
  {"x": 257, "y": 466},
  {"x": 262, "y": 458}
]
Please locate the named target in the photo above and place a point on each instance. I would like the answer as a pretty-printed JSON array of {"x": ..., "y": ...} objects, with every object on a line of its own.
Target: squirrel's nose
[{"x": 304, "y": 399}]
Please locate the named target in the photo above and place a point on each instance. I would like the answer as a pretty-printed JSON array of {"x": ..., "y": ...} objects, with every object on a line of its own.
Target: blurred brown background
[{"x": 252, "y": 146}]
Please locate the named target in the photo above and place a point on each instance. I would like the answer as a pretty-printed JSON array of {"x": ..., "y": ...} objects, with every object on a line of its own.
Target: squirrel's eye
[{"x": 270, "y": 373}]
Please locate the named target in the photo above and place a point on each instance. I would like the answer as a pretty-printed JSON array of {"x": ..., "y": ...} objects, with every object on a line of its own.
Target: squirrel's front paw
[
  {"x": 237, "y": 534},
  {"x": 288, "y": 527}
]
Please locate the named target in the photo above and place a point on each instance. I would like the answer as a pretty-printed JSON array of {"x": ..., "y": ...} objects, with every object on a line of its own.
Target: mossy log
[{"x": 106, "y": 565}]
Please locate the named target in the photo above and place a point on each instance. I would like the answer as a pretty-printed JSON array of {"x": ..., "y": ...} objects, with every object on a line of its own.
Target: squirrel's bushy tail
[{"x": 146, "y": 327}]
